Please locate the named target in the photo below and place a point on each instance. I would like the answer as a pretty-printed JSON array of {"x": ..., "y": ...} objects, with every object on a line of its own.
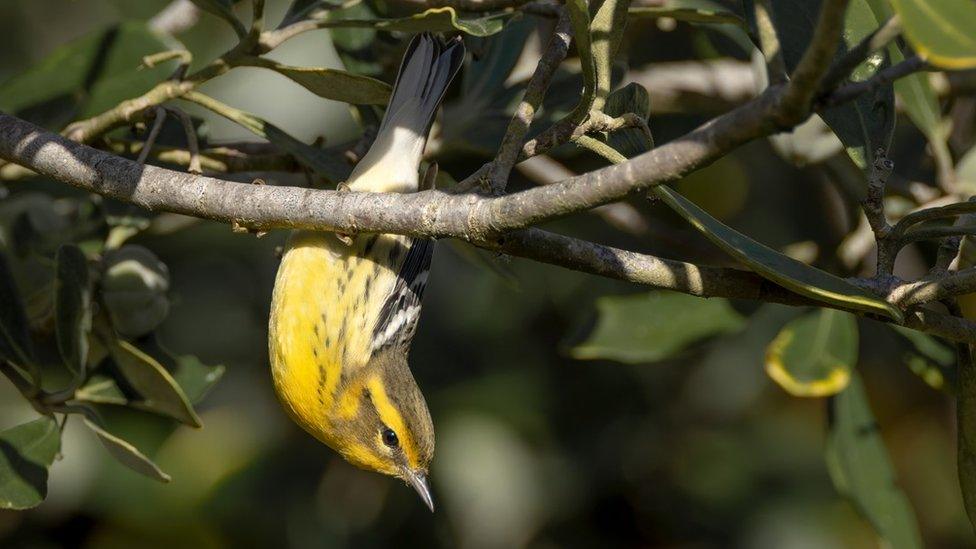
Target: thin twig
[
  {"x": 806, "y": 78},
  {"x": 561, "y": 133},
  {"x": 929, "y": 214},
  {"x": 948, "y": 250},
  {"x": 535, "y": 92},
  {"x": 883, "y": 77},
  {"x": 843, "y": 67},
  {"x": 191, "y": 140},
  {"x": 160, "y": 117}
]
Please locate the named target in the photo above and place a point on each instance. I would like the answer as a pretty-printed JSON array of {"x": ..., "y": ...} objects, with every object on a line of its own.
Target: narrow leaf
[
  {"x": 224, "y": 10},
  {"x": 867, "y": 123},
  {"x": 303, "y": 9},
  {"x": 813, "y": 355},
  {"x": 127, "y": 454},
  {"x": 332, "y": 84},
  {"x": 787, "y": 272},
  {"x": 918, "y": 98},
  {"x": 632, "y": 98},
  {"x": 88, "y": 75},
  {"x": 15, "y": 343},
  {"x": 966, "y": 172},
  {"x": 941, "y": 31},
  {"x": 100, "y": 389},
  {"x": 329, "y": 167},
  {"x": 653, "y": 326},
  {"x": 932, "y": 361},
  {"x": 160, "y": 392},
  {"x": 966, "y": 430},
  {"x": 193, "y": 376},
  {"x": 859, "y": 465},
  {"x": 72, "y": 307},
  {"x": 26, "y": 452}
]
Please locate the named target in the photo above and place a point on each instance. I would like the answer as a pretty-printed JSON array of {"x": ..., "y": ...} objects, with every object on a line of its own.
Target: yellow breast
[{"x": 326, "y": 301}]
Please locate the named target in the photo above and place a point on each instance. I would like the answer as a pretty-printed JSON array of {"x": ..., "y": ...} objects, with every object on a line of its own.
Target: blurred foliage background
[{"x": 539, "y": 443}]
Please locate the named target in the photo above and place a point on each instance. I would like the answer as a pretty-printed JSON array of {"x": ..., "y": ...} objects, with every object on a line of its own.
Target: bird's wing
[{"x": 397, "y": 320}]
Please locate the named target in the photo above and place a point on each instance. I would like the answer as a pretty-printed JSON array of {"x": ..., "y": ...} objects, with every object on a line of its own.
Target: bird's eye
[{"x": 390, "y": 438}]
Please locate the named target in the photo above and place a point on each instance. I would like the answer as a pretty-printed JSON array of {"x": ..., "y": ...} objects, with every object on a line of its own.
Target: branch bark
[{"x": 430, "y": 213}]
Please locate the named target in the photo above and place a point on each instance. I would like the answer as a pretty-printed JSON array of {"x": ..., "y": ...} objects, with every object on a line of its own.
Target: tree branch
[{"x": 429, "y": 213}]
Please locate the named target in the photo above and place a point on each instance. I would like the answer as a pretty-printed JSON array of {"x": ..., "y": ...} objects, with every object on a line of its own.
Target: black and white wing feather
[{"x": 397, "y": 321}]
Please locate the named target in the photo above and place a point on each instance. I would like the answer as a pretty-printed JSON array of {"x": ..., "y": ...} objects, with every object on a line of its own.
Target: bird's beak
[{"x": 418, "y": 479}]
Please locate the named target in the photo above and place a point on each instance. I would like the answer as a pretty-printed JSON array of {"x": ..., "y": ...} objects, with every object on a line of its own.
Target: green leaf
[
  {"x": 867, "y": 123},
  {"x": 329, "y": 167},
  {"x": 966, "y": 430},
  {"x": 480, "y": 117},
  {"x": 918, "y": 98},
  {"x": 632, "y": 98},
  {"x": 783, "y": 270},
  {"x": 813, "y": 355},
  {"x": 966, "y": 172},
  {"x": 653, "y": 326},
  {"x": 484, "y": 77},
  {"x": 15, "y": 342},
  {"x": 930, "y": 360},
  {"x": 127, "y": 454},
  {"x": 859, "y": 465},
  {"x": 89, "y": 75},
  {"x": 223, "y": 9},
  {"x": 72, "y": 307},
  {"x": 101, "y": 389},
  {"x": 26, "y": 452},
  {"x": 691, "y": 11},
  {"x": 941, "y": 31},
  {"x": 303, "y": 9},
  {"x": 159, "y": 391},
  {"x": 330, "y": 83},
  {"x": 133, "y": 288},
  {"x": 443, "y": 19},
  {"x": 194, "y": 377},
  {"x": 356, "y": 46}
]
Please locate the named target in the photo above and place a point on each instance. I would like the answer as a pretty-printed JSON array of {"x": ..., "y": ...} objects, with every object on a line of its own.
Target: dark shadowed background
[{"x": 536, "y": 444}]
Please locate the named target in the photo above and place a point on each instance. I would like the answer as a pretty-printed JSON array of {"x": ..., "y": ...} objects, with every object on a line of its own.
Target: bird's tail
[{"x": 392, "y": 163}]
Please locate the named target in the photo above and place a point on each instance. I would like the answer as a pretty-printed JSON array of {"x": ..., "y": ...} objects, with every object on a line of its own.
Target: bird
[{"x": 345, "y": 307}]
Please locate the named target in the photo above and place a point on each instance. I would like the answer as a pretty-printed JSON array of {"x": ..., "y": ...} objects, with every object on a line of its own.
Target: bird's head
[{"x": 382, "y": 423}]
